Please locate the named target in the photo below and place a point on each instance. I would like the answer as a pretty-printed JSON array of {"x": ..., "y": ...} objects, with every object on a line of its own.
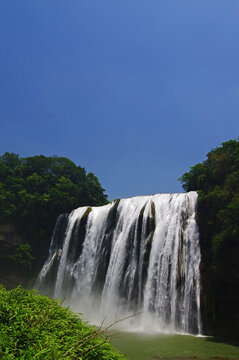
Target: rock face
[
  {"x": 11, "y": 274},
  {"x": 9, "y": 237}
]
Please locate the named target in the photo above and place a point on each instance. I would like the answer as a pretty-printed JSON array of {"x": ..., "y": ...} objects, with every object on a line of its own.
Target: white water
[{"x": 135, "y": 255}]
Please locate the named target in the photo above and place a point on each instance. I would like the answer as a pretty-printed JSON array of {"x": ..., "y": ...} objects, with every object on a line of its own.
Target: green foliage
[
  {"x": 217, "y": 182},
  {"x": 220, "y": 167},
  {"x": 36, "y": 327},
  {"x": 45, "y": 183},
  {"x": 34, "y": 191},
  {"x": 22, "y": 255}
]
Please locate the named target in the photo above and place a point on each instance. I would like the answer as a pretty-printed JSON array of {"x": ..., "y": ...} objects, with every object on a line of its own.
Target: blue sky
[{"x": 136, "y": 91}]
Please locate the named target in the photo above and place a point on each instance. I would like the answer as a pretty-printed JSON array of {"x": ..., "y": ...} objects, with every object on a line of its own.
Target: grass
[{"x": 174, "y": 347}]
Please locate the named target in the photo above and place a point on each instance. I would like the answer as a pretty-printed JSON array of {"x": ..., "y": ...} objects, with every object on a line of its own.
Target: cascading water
[{"x": 135, "y": 255}]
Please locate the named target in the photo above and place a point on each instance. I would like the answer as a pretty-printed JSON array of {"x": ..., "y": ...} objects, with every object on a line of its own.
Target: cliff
[{"x": 11, "y": 273}]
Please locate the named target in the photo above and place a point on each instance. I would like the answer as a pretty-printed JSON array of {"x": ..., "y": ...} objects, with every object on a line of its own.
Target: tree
[
  {"x": 34, "y": 191},
  {"x": 217, "y": 183}
]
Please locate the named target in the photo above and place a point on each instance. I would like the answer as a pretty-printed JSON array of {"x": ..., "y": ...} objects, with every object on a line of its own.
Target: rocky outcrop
[
  {"x": 8, "y": 236},
  {"x": 11, "y": 274}
]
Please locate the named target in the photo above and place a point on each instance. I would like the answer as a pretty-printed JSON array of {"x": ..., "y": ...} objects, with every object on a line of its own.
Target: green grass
[{"x": 173, "y": 347}]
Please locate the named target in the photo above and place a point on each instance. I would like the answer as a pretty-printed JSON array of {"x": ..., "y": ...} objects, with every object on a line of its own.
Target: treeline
[
  {"x": 217, "y": 183},
  {"x": 34, "y": 191}
]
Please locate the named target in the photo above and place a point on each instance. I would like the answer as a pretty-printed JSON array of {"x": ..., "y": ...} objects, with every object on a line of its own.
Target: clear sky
[{"x": 136, "y": 91}]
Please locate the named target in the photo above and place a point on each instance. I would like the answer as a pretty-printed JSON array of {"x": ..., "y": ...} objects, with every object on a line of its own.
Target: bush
[
  {"x": 37, "y": 327},
  {"x": 22, "y": 256}
]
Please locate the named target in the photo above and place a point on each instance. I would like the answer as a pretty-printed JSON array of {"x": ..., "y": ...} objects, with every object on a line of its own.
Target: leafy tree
[
  {"x": 217, "y": 183},
  {"x": 34, "y": 191}
]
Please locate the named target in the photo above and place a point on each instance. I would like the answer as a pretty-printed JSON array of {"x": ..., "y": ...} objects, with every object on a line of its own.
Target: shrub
[
  {"x": 22, "y": 255},
  {"x": 37, "y": 327}
]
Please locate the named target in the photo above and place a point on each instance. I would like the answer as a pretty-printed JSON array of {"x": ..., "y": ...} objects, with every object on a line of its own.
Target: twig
[
  {"x": 99, "y": 332},
  {"x": 119, "y": 320},
  {"x": 95, "y": 346}
]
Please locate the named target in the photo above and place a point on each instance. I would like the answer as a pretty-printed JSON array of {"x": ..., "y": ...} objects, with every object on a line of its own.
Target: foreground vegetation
[
  {"x": 34, "y": 191},
  {"x": 174, "y": 347},
  {"x": 217, "y": 183},
  {"x": 36, "y": 327}
]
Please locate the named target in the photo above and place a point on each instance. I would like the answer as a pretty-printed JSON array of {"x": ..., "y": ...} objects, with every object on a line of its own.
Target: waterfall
[{"x": 134, "y": 255}]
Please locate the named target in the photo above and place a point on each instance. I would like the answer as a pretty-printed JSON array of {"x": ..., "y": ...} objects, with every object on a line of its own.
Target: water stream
[{"x": 136, "y": 255}]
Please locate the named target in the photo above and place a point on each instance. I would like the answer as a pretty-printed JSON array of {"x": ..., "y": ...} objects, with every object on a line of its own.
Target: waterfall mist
[{"x": 134, "y": 255}]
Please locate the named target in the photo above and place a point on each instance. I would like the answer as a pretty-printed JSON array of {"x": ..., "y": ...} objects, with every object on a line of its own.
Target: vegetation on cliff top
[
  {"x": 36, "y": 327},
  {"x": 217, "y": 183},
  {"x": 34, "y": 191}
]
